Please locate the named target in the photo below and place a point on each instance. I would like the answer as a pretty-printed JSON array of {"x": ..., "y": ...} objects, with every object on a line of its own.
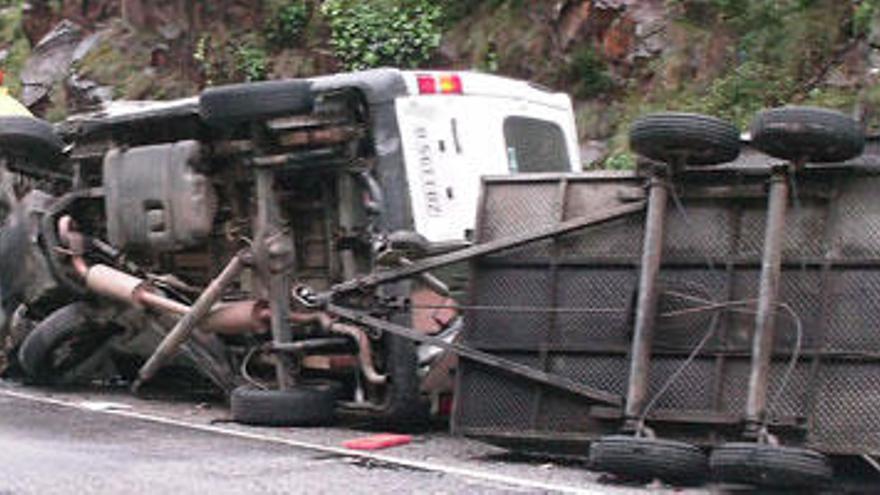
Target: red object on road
[{"x": 377, "y": 442}]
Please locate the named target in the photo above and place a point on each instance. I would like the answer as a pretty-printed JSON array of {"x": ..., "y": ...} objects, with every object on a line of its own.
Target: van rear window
[{"x": 535, "y": 145}]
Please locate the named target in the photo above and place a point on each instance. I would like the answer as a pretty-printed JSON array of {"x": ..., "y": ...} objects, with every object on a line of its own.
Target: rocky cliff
[{"x": 618, "y": 58}]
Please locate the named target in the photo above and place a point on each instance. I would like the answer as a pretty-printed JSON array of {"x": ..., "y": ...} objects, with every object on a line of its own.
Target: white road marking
[
  {"x": 407, "y": 463},
  {"x": 102, "y": 406}
]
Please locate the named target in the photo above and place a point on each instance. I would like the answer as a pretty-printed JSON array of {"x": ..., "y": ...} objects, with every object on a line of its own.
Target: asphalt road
[
  {"x": 47, "y": 448},
  {"x": 99, "y": 441}
]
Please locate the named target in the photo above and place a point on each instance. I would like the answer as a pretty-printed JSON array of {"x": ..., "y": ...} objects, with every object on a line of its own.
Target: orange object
[{"x": 377, "y": 442}]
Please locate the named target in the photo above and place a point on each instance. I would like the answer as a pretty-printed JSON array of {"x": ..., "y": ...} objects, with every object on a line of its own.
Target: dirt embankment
[{"x": 618, "y": 58}]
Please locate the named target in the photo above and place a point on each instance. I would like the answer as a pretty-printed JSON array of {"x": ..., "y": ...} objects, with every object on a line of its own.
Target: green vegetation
[
  {"x": 622, "y": 160},
  {"x": 109, "y": 65},
  {"x": 222, "y": 60},
  {"x": 285, "y": 23},
  {"x": 373, "y": 33},
  {"x": 251, "y": 62},
  {"x": 728, "y": 58},
  {"x": 589, "y": 74},
  {"x": 780, "y": 52},
  {"x": 13, "y": 40},
  {"x": 864, "y": 15},
  {"x": 780, "y": 49}
]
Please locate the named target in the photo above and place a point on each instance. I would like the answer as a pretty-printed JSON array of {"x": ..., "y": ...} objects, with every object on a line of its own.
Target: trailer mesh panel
[{"x": 566, "y": 306}]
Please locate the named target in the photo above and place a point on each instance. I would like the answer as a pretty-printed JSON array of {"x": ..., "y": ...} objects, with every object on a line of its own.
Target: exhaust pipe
[{"x": 240, "y": 317}]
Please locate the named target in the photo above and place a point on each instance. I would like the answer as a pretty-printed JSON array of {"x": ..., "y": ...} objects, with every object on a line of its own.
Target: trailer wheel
[
  {"x": 403, "y": 407},
  {"x": 238, "y": 103},
  {"x": 56, "y": 349},
  {"x": 646, "y": 459},
  {"x": 765, "y": 465},
  {"x": 303, "y": 405},
  {"x": 810, "y": 134},
  {"x": 672, "y": 137},
  {"x": 31, "y": 137}
]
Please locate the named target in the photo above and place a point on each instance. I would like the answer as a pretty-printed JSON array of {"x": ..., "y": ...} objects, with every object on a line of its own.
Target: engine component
[
  {"x": 156, "y": 199},
  {"x": 24, "y": 274}
]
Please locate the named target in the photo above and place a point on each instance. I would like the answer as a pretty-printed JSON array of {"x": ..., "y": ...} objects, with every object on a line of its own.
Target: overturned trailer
[{"x": 736, "y": 249}]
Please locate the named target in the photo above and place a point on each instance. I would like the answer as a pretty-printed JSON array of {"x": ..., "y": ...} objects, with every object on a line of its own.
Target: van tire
[
  {"x": 240, "y": 103},
  {"x": 807, "y": 134},
  {"x": 35, "y": 355},
  {"x": 765, "y": 465},
  {"x": 31, "y": 137},
  {"x": 685, "y": 139},
  {"x": 647, "y": 459},
  {"x": 302, "y": 405}
]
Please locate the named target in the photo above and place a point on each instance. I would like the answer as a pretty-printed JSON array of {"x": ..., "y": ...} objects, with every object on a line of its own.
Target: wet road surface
[
  {"x": 97, "y": 441},
  {"x": 48, "y": 449}
]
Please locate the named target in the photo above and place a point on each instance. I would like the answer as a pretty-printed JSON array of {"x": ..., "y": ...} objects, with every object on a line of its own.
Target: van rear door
[{"x": 451, "y": 140}]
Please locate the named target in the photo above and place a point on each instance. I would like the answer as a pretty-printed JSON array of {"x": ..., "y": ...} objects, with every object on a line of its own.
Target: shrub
[
  {"x": 373, "y": 33},
  {"x": 622, "y": 160},
  {"x": 251, "y": 62},
  {"x": 589, "y": 74},
  {"x": 285, "y": 23},
  {"x": 227, "y": 61}
]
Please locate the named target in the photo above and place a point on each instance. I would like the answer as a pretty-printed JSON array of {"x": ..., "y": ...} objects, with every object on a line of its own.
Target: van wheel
[
  {"x": 765, "y": 465},
  {"x": 60, "y": 346},
  {"x": 685, "y": 139},
  {"x": 647, "y": 459},
  {"x": 807, "y": 134},
  {"x": 303, "y": 405},
  {"x": 32, "y": 138},
  {"x": 239, "y": 103}
]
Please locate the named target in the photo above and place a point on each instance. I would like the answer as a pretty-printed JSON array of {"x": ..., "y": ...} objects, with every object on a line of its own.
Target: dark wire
[
  {"x": 534, "y": 309},
  {"x": 678, "y": 372},
  {"x": 792, "y": 314},
  {"x": 795, "y": 356},
  {"x": 676, "y": 200},
  {"x": 731, "y": 306},
  {"x": 515, "y": 309},
  {"x": 244, "y": 370}
]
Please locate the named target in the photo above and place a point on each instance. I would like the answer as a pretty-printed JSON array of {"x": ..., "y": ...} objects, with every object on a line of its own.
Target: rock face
[
  {"x": 39, "y": 16},
  {"x": 50, "y": 65},
  {"x": 623, "y": 31},
  {"x": 602, "y": 51},
  {"x": 50, "y": 61},
  {"x": 82, "y": 94},
  {"x": 37, "y": 20},
  {"x": 171, "y": 18}
]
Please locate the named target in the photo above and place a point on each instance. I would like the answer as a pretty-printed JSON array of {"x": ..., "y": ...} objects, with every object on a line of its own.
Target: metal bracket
[
  {"x": 427, "y": 264},
  {"x": 506, "y": 365}
]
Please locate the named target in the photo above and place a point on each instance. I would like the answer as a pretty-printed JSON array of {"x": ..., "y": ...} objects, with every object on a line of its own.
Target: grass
[{"x": 13, "y": 40}]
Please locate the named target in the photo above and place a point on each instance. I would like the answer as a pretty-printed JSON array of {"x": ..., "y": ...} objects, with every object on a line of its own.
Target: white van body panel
[{"x": 450, "y": 141}]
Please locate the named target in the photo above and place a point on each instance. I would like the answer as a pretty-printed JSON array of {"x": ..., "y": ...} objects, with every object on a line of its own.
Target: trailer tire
[
  {"x": 404, "y": 409},
  {"x": 807, "y": 134},
  {"x": 31, "y": 137},
  {"x": 646, "y": 459},
  {"x": 303, "y": 405},
  {"x": 765, "y": 465},
  {"x": 673, "y": 137},
  {"x": 239, "y": 103},
  {"x": 63, "y": 326}
]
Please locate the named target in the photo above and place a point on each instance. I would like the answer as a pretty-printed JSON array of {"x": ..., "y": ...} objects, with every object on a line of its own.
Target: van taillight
[
  {"x": 449, "y": 84},
  {"x": 427, "y": 85}
]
